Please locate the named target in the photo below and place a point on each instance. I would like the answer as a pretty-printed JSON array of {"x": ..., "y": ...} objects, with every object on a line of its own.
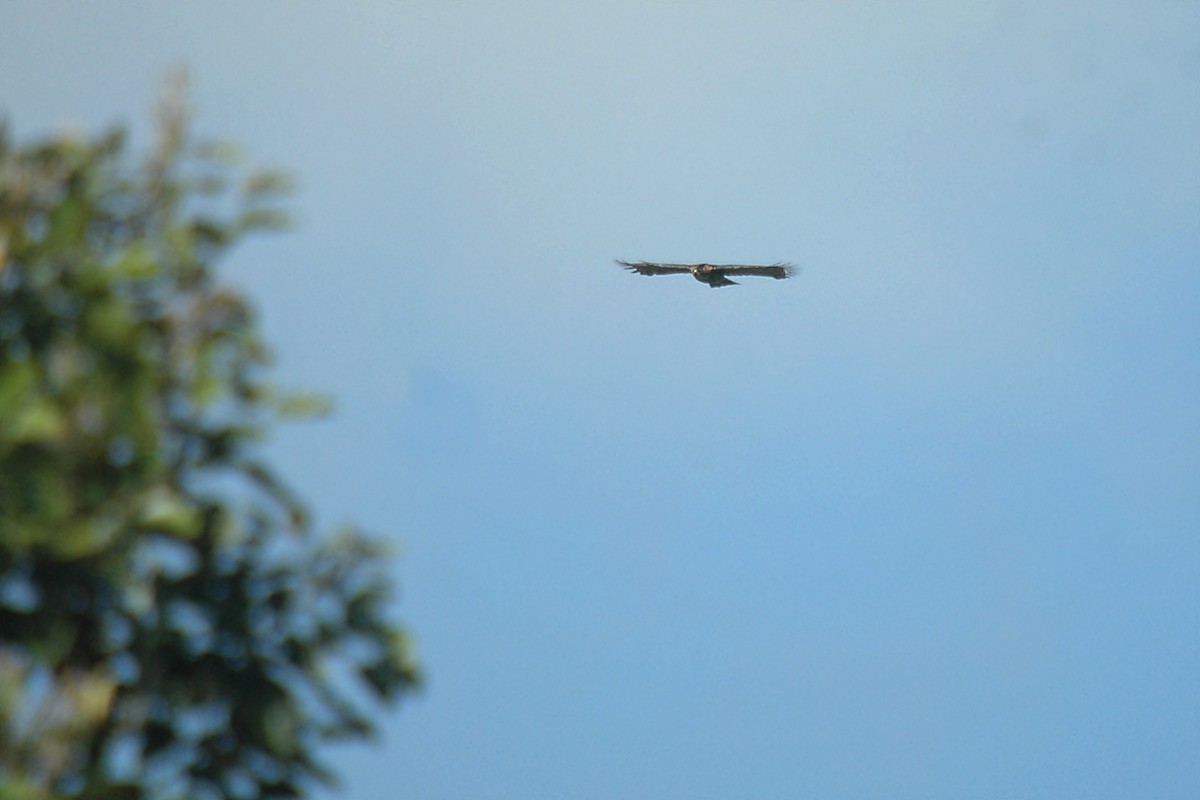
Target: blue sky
[{"x": 920, "y": 523}]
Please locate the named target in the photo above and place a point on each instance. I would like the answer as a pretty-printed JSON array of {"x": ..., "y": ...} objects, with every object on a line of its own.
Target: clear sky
[{"x": 923, "y": 522}]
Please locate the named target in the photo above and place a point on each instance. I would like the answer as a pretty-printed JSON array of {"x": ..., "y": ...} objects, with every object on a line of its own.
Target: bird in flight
[{"x": 715, "y": 275}]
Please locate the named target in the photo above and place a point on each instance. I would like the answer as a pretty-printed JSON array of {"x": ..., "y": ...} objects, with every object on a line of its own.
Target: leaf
[
  {"x": 304, "y": 405},
  {"x": 380, "y": 676},
  {"x": 279, "y": 730},
  {"x": 17, "y": 788},
  {"x": 221, "y": 151},
  {"x": 268, "y": 185},
  {"x": 48, "y": 492},
  {"x": 18, "y": 381},
  {"x": 207, "y": 389},
  {"x": 264, "y": 219},
  {"x": 278, "y": 491},
  {"x": 53, "y": 645},
  {"x": 39, "y": 421},
  {"x": 362, "y": 614},
  {"x": 163, "y": 509},
  {"x": 113, "y": 791},
  {"x": 111, "y": 321},
  {"x": 68, "y": 221},
  {"x": 91, "y": 697},
  {"x": 136, "y": 262},
  {"x": 211, "y": 233},
  {"x": 80, "y": 539},
  {"x": 280, "y": 790},
  {"x": 394, "y": 671}
]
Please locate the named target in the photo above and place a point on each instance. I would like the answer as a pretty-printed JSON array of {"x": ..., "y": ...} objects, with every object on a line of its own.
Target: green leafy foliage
[{"x": 170, "y": 627}]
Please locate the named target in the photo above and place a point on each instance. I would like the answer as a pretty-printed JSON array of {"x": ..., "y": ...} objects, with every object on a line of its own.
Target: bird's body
[{"x": 715, "y": 275}]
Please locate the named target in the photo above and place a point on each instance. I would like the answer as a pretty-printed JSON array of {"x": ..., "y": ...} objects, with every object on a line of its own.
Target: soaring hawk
[{"x": 715, "y": 275}]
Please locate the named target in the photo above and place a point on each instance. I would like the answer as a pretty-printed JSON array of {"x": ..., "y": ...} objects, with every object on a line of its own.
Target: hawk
[{"x": 715, "y": 275}]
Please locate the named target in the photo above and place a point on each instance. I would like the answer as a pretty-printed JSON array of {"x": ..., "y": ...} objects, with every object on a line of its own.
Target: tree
[{"x": 170, "y": 625}]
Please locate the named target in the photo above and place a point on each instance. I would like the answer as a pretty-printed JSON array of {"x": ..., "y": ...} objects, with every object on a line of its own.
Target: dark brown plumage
[{"x": 715, "y": 275}]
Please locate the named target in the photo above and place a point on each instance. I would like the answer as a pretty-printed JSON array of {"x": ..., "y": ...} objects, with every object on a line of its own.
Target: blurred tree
[{"x": 169, "y": 625}]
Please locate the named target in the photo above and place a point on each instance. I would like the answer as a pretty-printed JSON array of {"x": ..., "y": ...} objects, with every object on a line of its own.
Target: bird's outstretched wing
[
  {"x": 777, "y": 271},
  {"x": 653, "y": 268}
]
